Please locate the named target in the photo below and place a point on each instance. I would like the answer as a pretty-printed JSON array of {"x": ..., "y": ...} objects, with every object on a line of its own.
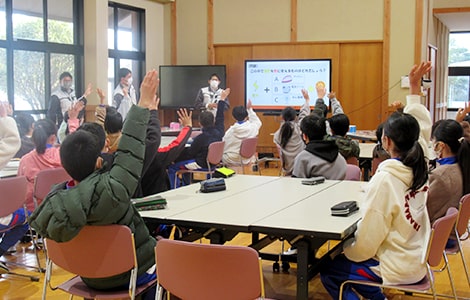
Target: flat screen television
[
  {"x": 273, "y": 85},
  {"x": 179, "y": 85}
]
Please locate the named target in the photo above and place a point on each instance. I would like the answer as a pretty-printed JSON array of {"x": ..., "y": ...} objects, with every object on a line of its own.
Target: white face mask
[
  {"x": 214, "y": 84},
  {"x": 129, "y": 81}
]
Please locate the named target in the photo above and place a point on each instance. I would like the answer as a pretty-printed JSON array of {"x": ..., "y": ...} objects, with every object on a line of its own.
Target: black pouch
[
  {"x": 212, "y": 185},
  {"x": 344, "y": 209}
]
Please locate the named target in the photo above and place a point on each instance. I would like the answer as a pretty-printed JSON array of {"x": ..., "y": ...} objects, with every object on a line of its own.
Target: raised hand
[
  {"x": 3, "y": 109},
  {"x": 249, "y": 104},
  {"x": 88, "y": 90},
  {"x": 148, "y": 90},
  {"x": 75, "y": 109},
  {"x": 331, "y": 95},
  {"x": 102, "y": 96},
  {"x": 225, "y": 94},
  {"x": 416, "y": 73},
  {"x": 305, "y": 94},
  {"x": 462, "y": 112},
  {"x": 184, "y": 118}
]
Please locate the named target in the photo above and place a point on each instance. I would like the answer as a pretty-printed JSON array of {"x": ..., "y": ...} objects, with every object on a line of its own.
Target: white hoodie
[
  {"x": 395, "y": 226},
  {"x": 423, "y": 116},
  {"x": 235, "y": 134}
]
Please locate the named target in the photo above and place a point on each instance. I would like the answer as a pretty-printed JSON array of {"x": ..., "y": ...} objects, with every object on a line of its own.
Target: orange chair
[
  {"x": 13, "y": 191},
  {"x": 435, "y": 252},
  {"x": 214, "y": 157},
  {"x": 96, "y": 252},
  {"x": 207, "y": 271},
  {"x": 352, "y": 160},
  {"x": 462, "y": 231},
  {"x": 44, "y": 180}
]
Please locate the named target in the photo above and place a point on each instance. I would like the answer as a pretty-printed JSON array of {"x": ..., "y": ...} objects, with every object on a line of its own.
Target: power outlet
[{"x": 405, "y": 82}]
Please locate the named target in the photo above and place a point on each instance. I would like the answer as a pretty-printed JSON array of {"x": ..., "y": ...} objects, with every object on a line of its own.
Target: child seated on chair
[
  {"x": 247, "y": 125},
  {"x": 194, "y": 157},
  {"x": 320, "y": 157},
  {"x": 390, "y": 240},
  {"x": 289, "y": 136},
  {"x": 99, "y": 197}
]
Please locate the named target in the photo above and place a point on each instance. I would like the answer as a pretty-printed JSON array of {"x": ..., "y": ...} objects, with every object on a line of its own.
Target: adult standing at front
[
  {"x": 124, "y": 93},
  {"x": 63, "y": 98},
  {"x": 208, "y": 96}
]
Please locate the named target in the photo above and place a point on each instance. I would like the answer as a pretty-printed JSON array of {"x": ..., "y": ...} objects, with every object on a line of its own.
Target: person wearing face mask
[
  {"x": 208, "y": 97},
  {"x": 124, "y": 95},
  {"x": 450, "y": 180},
  {"x": 63, "y": 98}
]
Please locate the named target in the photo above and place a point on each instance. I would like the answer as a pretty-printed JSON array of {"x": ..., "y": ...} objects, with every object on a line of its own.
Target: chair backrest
[
  {"x": 352, "y": 160},
  {"x": 208, "y": 271},
  {"x": 440, "y": 233},
  {"x": 248, "y": 147},
  {"x": 464, "y": 215},
  {"x": 44, "y": 181},
  {"x": 13, "y": 191},
  {"x": 96, "y": 252},
  {"x": 215, "y": 152},
  {"x": 353, "y": 172}
]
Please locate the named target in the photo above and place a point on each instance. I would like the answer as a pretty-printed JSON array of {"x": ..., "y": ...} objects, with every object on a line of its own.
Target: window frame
[
  {"x": 76, "y": 49},
  {"x": 458, "y": 71},
  {"x": 117, "y": 54}
]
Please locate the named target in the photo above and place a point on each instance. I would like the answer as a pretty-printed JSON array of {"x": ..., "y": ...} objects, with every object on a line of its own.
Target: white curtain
[{"x": 442, "y": 67}]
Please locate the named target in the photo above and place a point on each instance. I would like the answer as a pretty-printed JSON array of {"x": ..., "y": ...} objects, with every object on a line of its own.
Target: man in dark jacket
[{"x": 100, "y": 197}]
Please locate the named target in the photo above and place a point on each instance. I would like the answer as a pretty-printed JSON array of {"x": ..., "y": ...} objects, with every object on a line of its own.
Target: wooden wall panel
[
  {"x": 234, "y": 58},
  {"x": 356, "y": 77},
  {"x": 360, "y": 83}
]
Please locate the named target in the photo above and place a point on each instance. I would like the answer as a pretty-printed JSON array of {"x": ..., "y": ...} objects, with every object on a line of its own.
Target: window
[
  {"x": 459, "y": 69},
  {"x": 39, "y": 39},
  {"x": 126, "y": 43}
]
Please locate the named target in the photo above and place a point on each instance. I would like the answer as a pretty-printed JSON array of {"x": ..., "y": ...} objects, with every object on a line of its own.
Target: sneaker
[
  {"x": 3, "y": 268},
  {"x": 290, "y": 251}
]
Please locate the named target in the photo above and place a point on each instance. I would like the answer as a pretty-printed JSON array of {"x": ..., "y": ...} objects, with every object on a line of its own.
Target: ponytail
[
  {"x": 414, "y": 158},
  {"x": 286, "y": 133},
  {"x": 43, "y": 129},
  {"x": 463, "y": 158},
  {"x": 403, "y": 130},
  {"x": 288, "y": 114}
]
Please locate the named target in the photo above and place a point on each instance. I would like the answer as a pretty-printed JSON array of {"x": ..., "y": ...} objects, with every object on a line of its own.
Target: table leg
[{"x": 303, "y": 249}]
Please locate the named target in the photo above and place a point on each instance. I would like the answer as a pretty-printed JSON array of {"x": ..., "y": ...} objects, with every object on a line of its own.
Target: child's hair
[
  {"x": 97, "y": 130},
  {"x": 378, "y": 133},
  {"x": 467, "y": 118},
  {"x": 43, "y": 129},
  {"x": 123, "y": 72},
  {"x": 239, "y": 113},
  {"x": 24, "y": 122},
  {"x": 403, "y": 130},
  {"x": 113, "y": 120},
  {"x": 78, "y": 154},
  {"x": 214, "y": 75},
  {"x": 339, "y": 124},
  {"x": 451, "y": 133},
  {"x": 288, "y": 114},
  {"x": 314, "y": 127},
  {"x": 206, "y": 119}
]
